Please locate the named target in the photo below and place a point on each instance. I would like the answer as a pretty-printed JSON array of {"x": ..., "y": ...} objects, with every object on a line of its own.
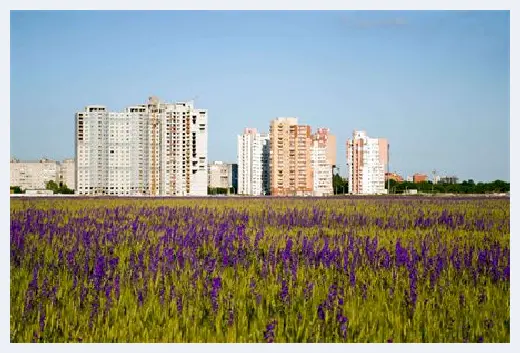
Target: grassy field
[{"x": 260, "y": 270}]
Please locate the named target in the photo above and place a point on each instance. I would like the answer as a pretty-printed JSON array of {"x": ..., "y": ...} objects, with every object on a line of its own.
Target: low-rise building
[
  {"x": 449, "y": 180},
  {"x": 219, "y": 175},
  {"x": 34, "y": 175},
  {"x": 393, "y": 176},
  {"x": 420, "y": 178}
]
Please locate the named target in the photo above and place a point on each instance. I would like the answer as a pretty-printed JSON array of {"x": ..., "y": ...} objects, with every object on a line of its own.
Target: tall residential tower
[
  {"x": 155, "y": 149},
  {"x": 290, "y": 158},
  {"x": 253, "y": 163},
  {"x": 367, "y": 160},
  {"x": 323, "y": 159}
]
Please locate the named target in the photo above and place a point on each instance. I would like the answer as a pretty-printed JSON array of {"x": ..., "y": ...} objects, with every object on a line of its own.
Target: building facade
[
  {"x": 393, "y": 176},
  {"x": 33, "y": 174},
  {"x": 367, "y": 160},
  {"x": 323, "y": 159},
  {"x": 66, "y": 174},
  {"x": 219, "y": 175},
  {"x": 291, "y": 172},
  {"x": 420, "y": 178},
  {"x": 155, "y": 149},
  {"x": 448, "y": 180},
  {"x": 233, "y": 177},
  {"x": 253, "y": 163},
  {"x": 223, "y": 175}
]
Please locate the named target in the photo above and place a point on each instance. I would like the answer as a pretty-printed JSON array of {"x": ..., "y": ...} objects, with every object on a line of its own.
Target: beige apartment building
[
  {"x": 291, "y": 172},
  {"x": 66, "y": 174},
  {"x": 220, "y": 175},
  {"x": 36, "y": 174}
]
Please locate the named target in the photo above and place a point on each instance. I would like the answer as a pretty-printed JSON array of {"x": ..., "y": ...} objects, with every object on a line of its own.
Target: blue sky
[{"x": 435, "y": 83}]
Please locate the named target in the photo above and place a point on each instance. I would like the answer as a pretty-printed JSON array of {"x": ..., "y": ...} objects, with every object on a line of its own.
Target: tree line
[
  {"x": 466, "y": 187},
  {"x": 340, "y": 186},
  {"x": 50, "y": 185}
]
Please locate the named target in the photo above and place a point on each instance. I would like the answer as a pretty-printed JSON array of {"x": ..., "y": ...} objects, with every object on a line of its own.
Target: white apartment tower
[
  {"x": 155, "y": 149},
  {"x": 253, "y": 163},
  {"x": 323, "y": 158},
  {"x": 367, "y": 159}
]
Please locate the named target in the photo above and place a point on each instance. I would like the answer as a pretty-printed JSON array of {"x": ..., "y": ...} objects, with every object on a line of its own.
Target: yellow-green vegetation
[{"x": 260, "y": 270}]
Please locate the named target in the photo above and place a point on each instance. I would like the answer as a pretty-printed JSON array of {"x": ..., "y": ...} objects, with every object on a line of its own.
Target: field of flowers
[{"x": 403, "y": 269}]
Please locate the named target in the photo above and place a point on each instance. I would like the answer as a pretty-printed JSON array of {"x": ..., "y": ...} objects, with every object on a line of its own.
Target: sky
[{"x": 434, "y": 83}]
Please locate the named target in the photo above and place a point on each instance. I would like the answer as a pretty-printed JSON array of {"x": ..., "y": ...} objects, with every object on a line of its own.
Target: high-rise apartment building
[
  {"x": 290, "y": 158},
  {"x": 367, "y": 159},
  {"x": 155, "y": 149},
  {"x": 253, "y": 163},
  {"x": 323, "y": 159}
]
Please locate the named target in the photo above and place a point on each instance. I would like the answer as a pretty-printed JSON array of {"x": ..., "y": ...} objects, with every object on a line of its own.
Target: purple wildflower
[
  {"x": 179, "y": 304},
  {"x": 321, "y": 312},
  {"x": 99, "y": 272},
  {"x": 216, "y": 285},
  {"x": 161, "y": 294},
  {"x": 307, "y": 291},
  {"x": 42, "y": 319},
  {"x": 343, "y": 321},
  {"x": 231, "y": 317},
  {"x": 108, "y": 290},
  {"x": 140, "y": 298},
  {"x": 284, "y": 292},
  {"x": 269, "y": 331},
  {"x": 94, "y": 311}
]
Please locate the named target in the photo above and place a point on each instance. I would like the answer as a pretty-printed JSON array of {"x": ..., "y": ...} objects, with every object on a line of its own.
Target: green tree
[
  {"x": 58, "y": 189},
  {"x": 219, "y": 191},
  {"x": 339, "y": 185},
  {"x": 16, "y": 190},
  {"x": 63, "y": 189},
  {"x": 51, "y": 185}
]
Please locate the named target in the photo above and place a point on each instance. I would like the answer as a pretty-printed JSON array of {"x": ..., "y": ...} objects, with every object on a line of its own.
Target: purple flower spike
[{"x": 269, "y": 331}]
